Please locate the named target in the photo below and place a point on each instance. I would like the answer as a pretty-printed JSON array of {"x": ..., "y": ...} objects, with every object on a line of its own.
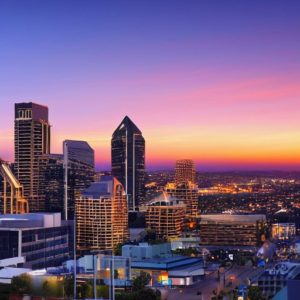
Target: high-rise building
[
  {"x": 188, "y": 193},
  {"x": 185, "y": 171},
  {"x": 66, "y": 175},
  {"x": 165, "y": 216},
  {"x": 128, "y": 161},
  {"x": 79, "y": 172},
  {"x": 12, "y": 199},
  {"x": 101, "y": 216},
  {"x": 32, "y": 140}
]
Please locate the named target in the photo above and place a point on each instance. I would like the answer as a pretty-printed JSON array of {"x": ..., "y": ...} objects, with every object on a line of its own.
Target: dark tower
[
  {"x": 32, "y": 141},
  {"x": 128, "y": 161}
]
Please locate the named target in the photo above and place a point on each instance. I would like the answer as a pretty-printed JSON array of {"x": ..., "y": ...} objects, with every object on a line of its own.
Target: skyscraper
[
  {"x": 185, "y": 171},
  {"x": 102, "y": 216},
  {"x": 32, "y": 140},
  {"x": 79, "y": 171},
  {"x": 128, "y": 161}
]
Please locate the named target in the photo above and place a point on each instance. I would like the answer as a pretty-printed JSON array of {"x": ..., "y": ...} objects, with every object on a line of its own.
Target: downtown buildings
[{"x": 128, "y": 161}]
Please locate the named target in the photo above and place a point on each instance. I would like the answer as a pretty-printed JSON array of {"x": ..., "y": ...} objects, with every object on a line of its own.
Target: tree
[
  {"x": 148, "y": 294},
  {"x": 68, "y": 285},
  {"x": 141, "y": 281},
  {"x": 118, "y": 249},
  {"x": 21, "y": 284},
  {"x": 254, "y": 293}
]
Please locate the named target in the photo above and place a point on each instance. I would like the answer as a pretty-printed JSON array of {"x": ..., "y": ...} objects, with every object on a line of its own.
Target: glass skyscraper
[{"x": 128, "y": 161}]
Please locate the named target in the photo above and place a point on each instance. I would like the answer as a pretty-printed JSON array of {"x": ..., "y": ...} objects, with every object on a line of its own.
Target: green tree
[
  {"x": 148, "y": 294},
  {"x": 141, "y": 281},
  {"x": 68, "y": 285},
  {"x": 118, "y": 249},
  {"x": 254, "y": 293},
  {"x": 21, "y": 284}
]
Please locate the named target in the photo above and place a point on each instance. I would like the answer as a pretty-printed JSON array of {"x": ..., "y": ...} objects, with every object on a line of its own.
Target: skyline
[{"x": 218, "y": 83}]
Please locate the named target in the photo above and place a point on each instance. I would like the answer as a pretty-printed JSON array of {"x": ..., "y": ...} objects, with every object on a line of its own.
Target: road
[{"x": 236, "y": 275}]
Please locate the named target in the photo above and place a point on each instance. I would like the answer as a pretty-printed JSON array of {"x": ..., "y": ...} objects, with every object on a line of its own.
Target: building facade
[
  {"x": 65, "y": 176},
  {"x": 79, "y": 172},
  {"x": 101, "y": 216},
  {"x": 128, "y": 161},
  {"x": 41, "y": 238},
  {"x": 12, "y": 200},
  {"x": 185, "y": 171},
  {"x": 32, "y": 140},
  {"x": 231, "y": 230},
  {"x": 283, "y": 231},
  {"x": 165, "y": 216},
  {"x": 188, "y": 193}
]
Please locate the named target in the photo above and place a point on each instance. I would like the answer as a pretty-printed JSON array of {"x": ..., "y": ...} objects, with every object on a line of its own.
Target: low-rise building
[
  {"x": 271, "y": 281},
  {"x": 172, "y": 271},
  {"x": 231, "y": 230},
  {"x": 42, "y": 239},
  {"x": 283, "y": 231},
  {"x": 146, "y": 251}
]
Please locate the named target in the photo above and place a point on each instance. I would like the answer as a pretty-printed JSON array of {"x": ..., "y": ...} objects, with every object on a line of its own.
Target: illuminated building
[
  {"x": 128, "y": 161},
  {"x": 188, "y": 193},
  {"x": 32, "y": 140},
  {"x": 170, "y": 271},
  {"x": 101, "y": 216},
  {"x": 231, "y": 230},
  {"x": 11, "y": 192},
  {"x": 283, "y": 231},
  {"x": 185, "y": 171},
  {"x": 164, "y": 215}
]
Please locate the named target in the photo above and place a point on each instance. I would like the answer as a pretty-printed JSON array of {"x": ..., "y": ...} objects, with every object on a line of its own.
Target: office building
[
  {"x": 165, "y": 216},
  {"x": 178, "y": 271},
  {"x": 76, "y": 165},
  {"x": 32, "y": 140},
  {"x": 128, "y": 161},
  {"x": 188, "y": 193},
  {"x": 146, "y": 251},
  {"x": 275, "y": 279},
  {"x": 42, "y": 239},
  {"x": 283, "y": 231},
  {"x": 185, "y": 171},
  {"x": 79, "y": 172},
  {"x": 12, "y": 200},
  {"x": 231, "y": 230},
  {"x": 101, "y": 216}
]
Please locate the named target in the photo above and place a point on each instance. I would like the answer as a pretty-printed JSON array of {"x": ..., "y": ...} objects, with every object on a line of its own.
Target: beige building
[
  {"x": 165, "y": 215},
  {"x": 102, "y": 216},
  {"x": 188, "y": 193},
  {"x": 185, "y": 171}
]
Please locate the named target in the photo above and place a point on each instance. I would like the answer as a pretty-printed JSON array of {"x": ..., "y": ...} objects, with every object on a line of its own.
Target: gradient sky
[{"x": 215, "y": 81}]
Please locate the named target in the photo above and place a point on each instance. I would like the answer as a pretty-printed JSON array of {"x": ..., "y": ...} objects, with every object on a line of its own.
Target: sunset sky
[{"x": 215, "y": 81}]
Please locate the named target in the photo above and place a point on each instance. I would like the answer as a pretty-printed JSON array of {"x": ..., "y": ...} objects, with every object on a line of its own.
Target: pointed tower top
[{"x": 129, "y": 125}]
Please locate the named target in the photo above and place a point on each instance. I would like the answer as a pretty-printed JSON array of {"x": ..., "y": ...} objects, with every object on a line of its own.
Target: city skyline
[{"x": 216, "y": 83}]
